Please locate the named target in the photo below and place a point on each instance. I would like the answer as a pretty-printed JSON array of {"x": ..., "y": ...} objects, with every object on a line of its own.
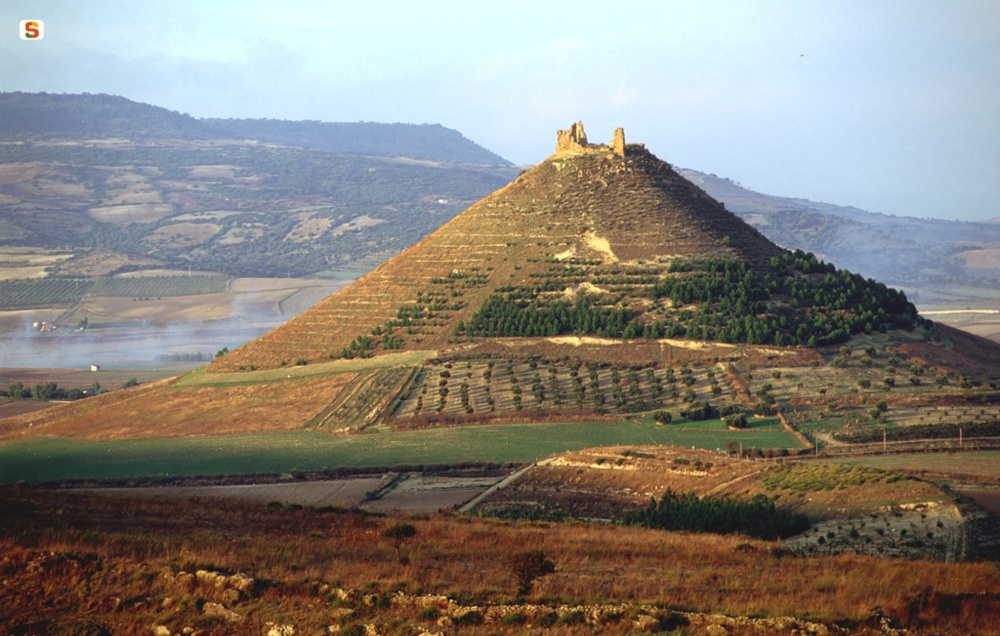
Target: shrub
[
  {"x": 547, "y": 620},
  {"x": 472, "y": 617},
  {"x": 736, "y": 420},
  {"x": 662, "y": 417},
  {"x": 571, "y": 617},
  {"x": 528, "y": 566},
  {"x": 698, "y": 410},
  {"x": 514, "y": 618},
  {"x": 762, "y": 408}
]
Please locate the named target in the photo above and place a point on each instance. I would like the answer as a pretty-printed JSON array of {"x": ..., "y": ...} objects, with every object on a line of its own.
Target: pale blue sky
[{"x": 891, "y": 106}]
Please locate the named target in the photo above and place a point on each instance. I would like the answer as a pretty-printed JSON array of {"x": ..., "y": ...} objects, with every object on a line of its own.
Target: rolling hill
[
  {"x": 146, "y": 187},
  {"x": 597, "y": 284},
  {"x": 927, "y": 256}
]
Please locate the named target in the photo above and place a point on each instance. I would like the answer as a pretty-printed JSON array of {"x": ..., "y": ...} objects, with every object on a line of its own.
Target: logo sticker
[{"x": 32, "y": 29}]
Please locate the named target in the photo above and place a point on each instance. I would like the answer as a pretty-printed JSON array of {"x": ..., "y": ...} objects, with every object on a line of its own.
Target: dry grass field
[
  {"x": 29, "y": 262},
  {"x": 84, "y": 563},
  {"x": 974, "y": 466},
  {"x": 183, "y": 411}
]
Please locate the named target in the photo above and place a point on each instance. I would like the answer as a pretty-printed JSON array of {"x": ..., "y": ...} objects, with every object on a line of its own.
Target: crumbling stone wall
[
  {"x": 572, "y": 140},
  {"x": 618, "y": 143}
]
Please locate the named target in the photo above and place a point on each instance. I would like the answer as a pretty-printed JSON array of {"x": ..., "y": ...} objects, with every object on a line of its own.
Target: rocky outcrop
[{"x": 215, "y": 610}]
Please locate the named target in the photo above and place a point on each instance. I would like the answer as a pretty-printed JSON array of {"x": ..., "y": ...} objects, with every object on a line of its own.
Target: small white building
[{"x": 95, "y": 367}]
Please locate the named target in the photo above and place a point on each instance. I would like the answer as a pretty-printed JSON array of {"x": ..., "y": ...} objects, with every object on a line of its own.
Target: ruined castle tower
[
  {"x": 572, "y": 140},
  {"x": 618, "y": 143}
]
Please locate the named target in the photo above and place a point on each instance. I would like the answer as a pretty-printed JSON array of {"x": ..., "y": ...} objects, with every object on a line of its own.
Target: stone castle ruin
[{"x": 574, "y": 141}]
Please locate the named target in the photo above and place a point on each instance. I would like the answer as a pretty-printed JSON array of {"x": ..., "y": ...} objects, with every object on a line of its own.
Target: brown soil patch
[
  {"x": 219, "y": 171},
  {"x": 957, "y": 351},
  {"x": 135, "y": 213},
  {"x": 102, "y": 264},
  {"x": 309, "y": 228},
  {"x": 177, "y": 309},
  {"x": 10, "y": 408},
  {"x": 174, "y": 412},
  {"x": 340, "y": 493},
  {"x": 183, "y": 234},
  {"x": 981, "y": 259},
  {"x": 426, "y": 493},
  {"x": 84, "y": 378},
  {"x": 987, "y": 498},
  {"x": 18, "y": 172}
]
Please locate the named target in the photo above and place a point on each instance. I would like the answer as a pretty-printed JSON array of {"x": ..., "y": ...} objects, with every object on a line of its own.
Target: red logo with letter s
[{"x": 32, "y": 29}]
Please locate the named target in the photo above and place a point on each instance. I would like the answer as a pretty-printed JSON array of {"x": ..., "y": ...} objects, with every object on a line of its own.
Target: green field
[
  {"x": 45, "y": 292},
  {"x": 53, "y": 459},
  {"x": 159, "y": 286}
]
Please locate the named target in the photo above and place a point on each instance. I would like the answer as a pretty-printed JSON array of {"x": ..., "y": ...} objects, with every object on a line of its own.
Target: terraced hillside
[{"x": 589, "y": 222}]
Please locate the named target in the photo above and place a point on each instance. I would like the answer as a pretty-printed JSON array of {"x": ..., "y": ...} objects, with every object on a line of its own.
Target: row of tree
[
  {"x": 45, "y": 391},
  {"x": 758, "y": 517},
  {"x": 500, "y": 317}
]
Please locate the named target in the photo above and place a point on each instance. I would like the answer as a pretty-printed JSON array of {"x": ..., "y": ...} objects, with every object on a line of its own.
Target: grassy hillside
[
  {"x": 239, "y": 208},
  {"x": 150, "y": 187}
]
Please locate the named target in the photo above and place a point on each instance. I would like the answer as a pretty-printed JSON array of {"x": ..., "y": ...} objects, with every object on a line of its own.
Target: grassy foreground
[
  {"x": 80, "y": 563},
  {"x": 48, "y": 459}
]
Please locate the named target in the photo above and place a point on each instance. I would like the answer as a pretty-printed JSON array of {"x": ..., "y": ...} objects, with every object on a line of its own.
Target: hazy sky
[{"x": 891, "y": 106}]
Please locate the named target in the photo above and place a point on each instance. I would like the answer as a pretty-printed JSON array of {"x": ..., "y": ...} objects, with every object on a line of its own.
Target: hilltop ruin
[{"x": 574, "y": 141}]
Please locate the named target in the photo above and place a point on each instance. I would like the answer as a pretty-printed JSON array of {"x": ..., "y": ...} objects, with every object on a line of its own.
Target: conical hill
[
  {"x": 586, "y": 218},
  {"x": 598, "y": 284}
]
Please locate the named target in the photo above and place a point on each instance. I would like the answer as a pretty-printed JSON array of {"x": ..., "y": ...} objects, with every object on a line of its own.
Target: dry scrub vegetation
[{"x": 88, "y": 564}]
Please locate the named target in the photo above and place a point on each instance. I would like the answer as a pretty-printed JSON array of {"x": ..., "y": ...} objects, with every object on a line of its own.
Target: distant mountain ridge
[
  {"x": 30, "y": 115},
  {"x": 421, "y": 141},
  {"x": 902, "y": 251},
  {"x": 156, "y": 188}
]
